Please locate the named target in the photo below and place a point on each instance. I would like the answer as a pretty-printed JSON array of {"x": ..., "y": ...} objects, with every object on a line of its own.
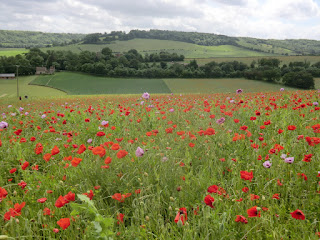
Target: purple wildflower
[
  {"x": 267, "y": 164},
  {"x": 289, "y": 160},
  {"x": 104, "y": 123},
  {"x": 3, "y": 125},
  {"x": 221, "y": 120},
  {"x": 239, "y": 91},
  {"x": 139, "y": 152},
  {"x": 146, "y": 95}
]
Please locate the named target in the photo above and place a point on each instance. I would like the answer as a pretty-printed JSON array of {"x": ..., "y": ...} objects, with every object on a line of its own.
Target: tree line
[{"x": 161, "y": 65}]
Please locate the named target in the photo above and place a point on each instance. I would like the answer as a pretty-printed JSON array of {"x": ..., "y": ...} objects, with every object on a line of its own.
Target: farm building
[
  {"x": 7, "y": 75},
  {"x": 44, "y": 70}
]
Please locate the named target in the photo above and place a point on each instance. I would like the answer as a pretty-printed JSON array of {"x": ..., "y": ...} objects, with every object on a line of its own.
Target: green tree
[{"x": 301, "y": 79}]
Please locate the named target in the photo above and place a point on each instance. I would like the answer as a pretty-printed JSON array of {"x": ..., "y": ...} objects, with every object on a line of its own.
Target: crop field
[
  {"x": 8, "y": 52},
  {"x": 83, "y": 84},
  {"x": 144, "y": 46},
  {"x": 170, "y": 166},
  {"x": 8, "y": 88},
  {"x": 248, "y": 60}
]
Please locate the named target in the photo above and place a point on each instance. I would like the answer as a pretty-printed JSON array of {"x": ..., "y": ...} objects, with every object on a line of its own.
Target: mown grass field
[
  {"x": 83, "y": 84},
  {"x": 8, "y": 52},
  {"x": 8, "y": 88},
  {"x": 152, "y": 45},
  {"x": 203, "y": 166}
]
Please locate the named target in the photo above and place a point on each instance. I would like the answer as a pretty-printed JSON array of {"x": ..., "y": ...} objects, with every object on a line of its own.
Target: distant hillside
[
  {"x": 279, "y": 47},
  {"x": 27, "y": 39},
  {"x": 149, "y": 46}
]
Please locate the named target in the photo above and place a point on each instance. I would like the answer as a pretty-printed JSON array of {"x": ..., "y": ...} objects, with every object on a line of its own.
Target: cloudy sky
[{"x": 279, "y": 19}]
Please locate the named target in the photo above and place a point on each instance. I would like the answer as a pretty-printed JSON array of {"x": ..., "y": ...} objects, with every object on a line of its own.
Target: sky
[{"x": 268, "y": 19}]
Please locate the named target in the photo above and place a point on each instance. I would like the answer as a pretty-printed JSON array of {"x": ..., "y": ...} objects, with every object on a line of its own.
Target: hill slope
[{"x": 27, "y": 39}]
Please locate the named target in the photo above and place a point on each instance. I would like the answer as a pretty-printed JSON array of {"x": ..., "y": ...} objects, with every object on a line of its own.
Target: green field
[
  {"x": 8, "y": 52},
  {"x": 8, "y": 88},
  {"x": 248, "y": 60},
  {"x": 144, "y": 46},
  {"x": 83, "y": 84}
]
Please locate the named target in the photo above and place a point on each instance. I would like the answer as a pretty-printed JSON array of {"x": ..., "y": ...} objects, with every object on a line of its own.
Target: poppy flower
[
  {"x": 213, "y": 189},
  {"x": 38, "y": 149},
  {"x": 208, "y": 200},
  {"x": 46, "y": 211},
  {"x": 108, "y": 160},
  {"x": 64, "y": 223},
  {"x": 291, "y": 127},
  {"x": 42, "y": 200},
  {"x": 47, "y": 157},
  {"x": 24, "y": 165},
  {"x": 81, "y": 149},
  {"x": 99, "y": 151},
  {"x": 181, "y": 216},
  {"x": 240, "y": 218},
  {"x": 246, "y": 175},
  {"x": 298, "y": 214},
  {"x": 3, "y": 193},
  {"x": 253, "y": 212},
  {"x": 120, "y": 217},
  {"x": 122, "y": 154},
  {"x": 55, "y": 150},
  {"x": 139, "y": 152},
  {"x": 75, "y": 161}
]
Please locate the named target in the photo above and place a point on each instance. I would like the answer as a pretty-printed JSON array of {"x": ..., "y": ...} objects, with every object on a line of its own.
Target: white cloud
[{"x": 252, "y": 18}]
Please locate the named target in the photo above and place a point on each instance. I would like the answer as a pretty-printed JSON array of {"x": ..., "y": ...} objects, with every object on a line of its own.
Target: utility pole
[{"x": 18, "y": 80}]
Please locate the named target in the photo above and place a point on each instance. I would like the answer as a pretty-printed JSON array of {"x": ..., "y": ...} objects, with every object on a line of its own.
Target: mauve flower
[
  {"x": 281, "y": 89},
  {"x": 151, "y": 106},
  {"x": 232, "y": 101},
  {"x": 146, "y": 95},
  {"x": 289, "y": 160},
  {"x": 221, "y": 120},
  {"x": 26, "y": 113},
  {"x": 3, "y": 125},
  {"x": 43, "y": 116},
  {"x": 13, "y": 114},
  {"x": 142, "y": 102},
  {"x": 171, "y": 110},
  {"x": 104, "y": 123},
  {"x": 89, "y": 140},
  {"x": 139, "y": 152},
  {"x": 164, "y": 159},
  {"x": 9, "y": 106},
  {"x": 315, "y": 103},
  {"x": 283, "y": 156},
  {"x": 239, "y": 91},
  {"x": 21, "y": 109},
  {"x": 267, "y": 164}
]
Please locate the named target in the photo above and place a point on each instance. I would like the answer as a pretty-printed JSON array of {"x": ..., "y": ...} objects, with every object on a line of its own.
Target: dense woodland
[
  {"x": 163, "y": 65},
  {"x": 26, "y": 39}
]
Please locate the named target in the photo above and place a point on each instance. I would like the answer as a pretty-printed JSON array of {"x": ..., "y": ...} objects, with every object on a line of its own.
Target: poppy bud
[{"x": 147, "y": 218}]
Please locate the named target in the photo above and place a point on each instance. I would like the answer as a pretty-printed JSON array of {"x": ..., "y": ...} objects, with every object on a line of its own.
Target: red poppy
[
  {"x": 55, "y": 150},
  {"x": 120, "y": 218},
  {"x": 276, "y": 196},
  {"x": 13, "y": 212},
  {"x": 90, "y": 195},
  {"x": 298, "y": 214},
  {"x": 209, "y": 201},
  {"x": 253, "y": 212},
  {"x": 81, "y": 149},
  {"x": 292, "y": 127},
  {"x": 246, "y": 175},
  {"x": 213, "y": 189},
  {"x": 181, "y": 216},
  {"x": 38, "y": 149},
  {"x": 108, "y": 160},
  {"x": 64, "y": 223},
  {"x": 13, "y": 170},
  {"x": 242, "y": 219},
  {"x": 75, "y": 161},
  {"x": 3, "y": 193},
  {"x": 99, "y": 151},
  {"x": 42, "y": 200},
  {"x": 25, "y": 165},
  {"x": 47, "y": 157},
  {"x": 122, "y": 154},
  {"x": 46, "y": 211}
]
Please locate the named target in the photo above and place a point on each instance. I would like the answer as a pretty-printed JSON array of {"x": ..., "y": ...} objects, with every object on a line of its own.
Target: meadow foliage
[{"x": 171, "y": 166}]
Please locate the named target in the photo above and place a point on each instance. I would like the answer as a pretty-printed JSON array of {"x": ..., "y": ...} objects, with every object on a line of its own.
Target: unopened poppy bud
[
  {"x": 146, "y": 174},
  {"x": 171, "y": 199},
  {"x": 15, "y": 192},
  {"x": 179, "y": 189},
  {"x": 17, "y": 220},
  {"x": 170, "y": 208},
  {"x": 147, "y": 218},
  {"x": 3, "y": 237}
]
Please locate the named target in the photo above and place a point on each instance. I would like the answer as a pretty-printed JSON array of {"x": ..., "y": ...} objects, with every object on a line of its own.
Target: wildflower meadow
[{"x": 167, "y": 166}]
